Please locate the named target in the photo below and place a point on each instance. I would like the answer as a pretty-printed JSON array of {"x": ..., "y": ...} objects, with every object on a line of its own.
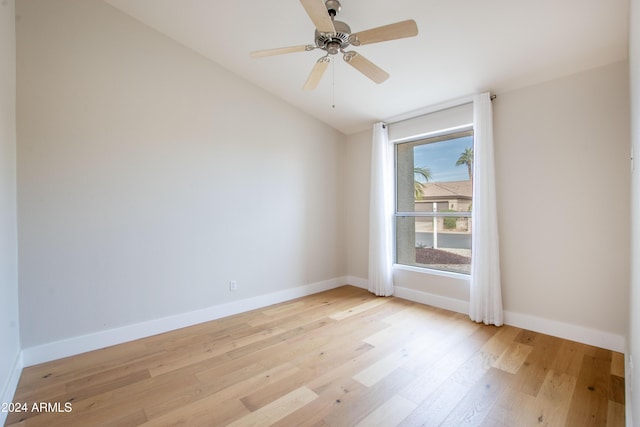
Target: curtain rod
[{"x": 433, "y": 108}]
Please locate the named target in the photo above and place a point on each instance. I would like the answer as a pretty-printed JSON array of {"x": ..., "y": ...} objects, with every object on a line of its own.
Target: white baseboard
[
  {"x": 11, "y": 386},
  {"x": 418, "y": 296},
  {"x": 459, "y": 306},
  {"x": 358, "y": 282},
  {"x": 597, "y": 338},
  {"x": 568, "y": 331},
  {"x": 81, "y": 344}
]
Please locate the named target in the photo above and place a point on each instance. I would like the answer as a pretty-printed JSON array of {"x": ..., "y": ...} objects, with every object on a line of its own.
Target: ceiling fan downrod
[{"x": 333, "y": 7}]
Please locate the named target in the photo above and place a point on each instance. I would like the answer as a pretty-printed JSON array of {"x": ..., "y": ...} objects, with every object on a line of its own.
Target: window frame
[{"x": 433, "y": 137}]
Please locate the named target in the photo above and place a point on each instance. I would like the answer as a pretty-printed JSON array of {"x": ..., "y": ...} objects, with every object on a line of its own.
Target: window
[{"x": 434, "y": 199}]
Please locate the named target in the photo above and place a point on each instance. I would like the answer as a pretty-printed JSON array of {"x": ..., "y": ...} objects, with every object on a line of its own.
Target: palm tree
[
  {"x": 466, "y": 158},
  {"x": 418, "y": 186}
]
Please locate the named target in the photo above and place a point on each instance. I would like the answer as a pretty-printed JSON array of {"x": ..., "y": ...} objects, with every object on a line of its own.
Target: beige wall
[
  {"x": 140, "y": 166},
  {"x": 633, "y": 344},
  {"x": 556, "y": 144},
  {"x": 9, "y": 334},
  {"x": 357, "y": 188}
]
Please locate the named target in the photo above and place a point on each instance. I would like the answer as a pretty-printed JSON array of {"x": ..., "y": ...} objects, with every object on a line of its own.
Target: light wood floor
[{"x": 338, "y": 358}]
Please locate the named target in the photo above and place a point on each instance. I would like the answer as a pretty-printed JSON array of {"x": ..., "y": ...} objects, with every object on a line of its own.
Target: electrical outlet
[{"x": 233, "y": 285}]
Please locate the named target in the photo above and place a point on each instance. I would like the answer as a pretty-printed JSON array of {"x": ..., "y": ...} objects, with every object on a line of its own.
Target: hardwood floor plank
[
  {"x": 554, "y": 398},
  {"x": 219, "y": 392},
  {"x": 615, "y": 415},
  {"x": 342, "y": 391},
  {"x": 434, "y": 410},
  {"x": 455, "y": 334},
  {"x": 277, "y": 409},
  {"x": 36, "y": 379},
  {"x": 154, "y": 390},
  {"x": 616, "y": 389},
  {"x": 569, "y": 358},
  {"x": 383, "y": 367},
  {"x": 358, "y": 406},
  {"x": 390, "y": 414},
  {"x": 341, "y": 315},
  {"x": 433, "y": 376},
  {"x": 135, "y": 417},
  {"x": 201, "y": 413},
  {"x": 590, "y": 401},
  {"x": 617, "y": 364},
  {"x": 513, "y": 408},
  {"x": 513, "y": 358},
  {"x": 114, "y": 378},
  {"x": 501, "y": 340},
  {"x": 479, "y": 400},
  {"x": 191, "y": 354},
  {"x": 336, "y": 358},
  {"x": 348, "y": 368},
  {"x": 319, "y": 362},
  {"x": 533, "y": 371}
]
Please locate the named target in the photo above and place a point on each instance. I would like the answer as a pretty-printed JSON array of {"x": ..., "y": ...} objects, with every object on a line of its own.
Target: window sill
[{"x": 430, "y": 271}]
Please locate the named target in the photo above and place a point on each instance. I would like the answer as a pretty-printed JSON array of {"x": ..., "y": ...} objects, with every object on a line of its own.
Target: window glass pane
[
  {"x": 448, "y": 248},
  {"x": 434, "y": 177}
]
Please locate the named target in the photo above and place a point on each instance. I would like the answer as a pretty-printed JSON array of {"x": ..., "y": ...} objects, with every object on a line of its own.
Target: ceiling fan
[{"x": 335, "y": 36}]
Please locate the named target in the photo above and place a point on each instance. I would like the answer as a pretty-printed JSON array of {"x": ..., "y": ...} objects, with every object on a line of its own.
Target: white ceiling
[{"x": 463, "y": 47}]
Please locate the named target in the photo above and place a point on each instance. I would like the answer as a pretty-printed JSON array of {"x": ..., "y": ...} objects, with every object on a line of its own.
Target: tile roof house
[{"x": 449, "y": 196}]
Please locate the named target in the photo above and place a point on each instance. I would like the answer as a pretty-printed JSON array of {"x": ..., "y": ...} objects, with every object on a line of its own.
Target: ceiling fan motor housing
[{"x": 333, "y": 43}]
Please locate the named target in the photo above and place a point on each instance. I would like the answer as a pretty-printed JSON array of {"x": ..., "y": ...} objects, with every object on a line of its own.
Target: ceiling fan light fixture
[{"x": 333, "y": 47}]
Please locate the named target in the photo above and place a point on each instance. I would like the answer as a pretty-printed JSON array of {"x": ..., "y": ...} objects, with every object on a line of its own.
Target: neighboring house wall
[
  {"x": 9, "y": 333},
  {"x": 137, "y": 168},
  {"x": 551, "y": 140}
]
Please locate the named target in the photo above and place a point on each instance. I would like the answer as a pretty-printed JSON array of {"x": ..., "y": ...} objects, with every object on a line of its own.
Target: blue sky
[{"x": 441, "y": 158}]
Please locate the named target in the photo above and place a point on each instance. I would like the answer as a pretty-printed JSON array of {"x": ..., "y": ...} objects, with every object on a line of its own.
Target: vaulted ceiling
[{"x": 463, "y": 46}]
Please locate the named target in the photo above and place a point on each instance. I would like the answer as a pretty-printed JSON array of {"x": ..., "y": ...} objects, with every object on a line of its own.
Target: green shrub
[{"x": 450, "y": 222}]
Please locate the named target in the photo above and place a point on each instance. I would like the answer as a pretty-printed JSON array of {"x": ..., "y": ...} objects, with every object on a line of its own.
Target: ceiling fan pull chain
[{"x": 333, "y": 84}]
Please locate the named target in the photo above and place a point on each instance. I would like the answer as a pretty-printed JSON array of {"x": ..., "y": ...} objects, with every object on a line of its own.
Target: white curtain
[
  {"x": 381, "y": 214},
  {"x": 486, "y": 297}
]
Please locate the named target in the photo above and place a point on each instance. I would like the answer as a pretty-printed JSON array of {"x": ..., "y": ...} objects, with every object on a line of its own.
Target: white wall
[
  {"x": 633, "y": 344},
  {"x": 563, "y": 180},
  {"x": 358, "y": 157},
  {"x": 562, "y": 159},
  {"x": 149, "y": 177},
  {"x": 9, "y": 334}
]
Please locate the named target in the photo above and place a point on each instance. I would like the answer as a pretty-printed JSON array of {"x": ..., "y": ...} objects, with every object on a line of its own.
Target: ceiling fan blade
[
  {"x": 317, "y": 11},
  {"x": 399, "y": 30},
  {"x": 280, "y": 51},
  {"x": 316, "y": 73},
  {"x": 366, "y": 67}
]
